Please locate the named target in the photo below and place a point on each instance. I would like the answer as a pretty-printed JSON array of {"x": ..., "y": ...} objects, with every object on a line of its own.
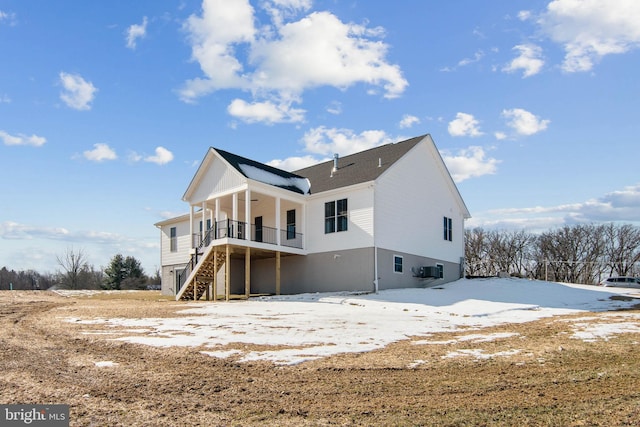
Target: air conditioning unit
[{"x": 426, "y": 272}]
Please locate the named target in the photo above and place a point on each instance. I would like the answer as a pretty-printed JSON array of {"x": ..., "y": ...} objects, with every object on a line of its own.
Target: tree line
[
  {"x": 583, "y": 253},
  {"x": 76, "y": 273}
]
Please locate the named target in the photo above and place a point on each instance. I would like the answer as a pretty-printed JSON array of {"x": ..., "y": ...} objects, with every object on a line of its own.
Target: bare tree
[
  {"x": 74, "y": 264},
  {"x": 476, "y": 257},
  {"x": 622, "y": 250}
]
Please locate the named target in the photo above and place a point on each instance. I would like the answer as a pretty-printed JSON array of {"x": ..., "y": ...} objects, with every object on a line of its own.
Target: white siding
[
  {"x": 359, "y": 232},
  {"x": 181, "y": 256},
  {"x": 217, "y": 179},
  {"x": 412, "y": 198}
]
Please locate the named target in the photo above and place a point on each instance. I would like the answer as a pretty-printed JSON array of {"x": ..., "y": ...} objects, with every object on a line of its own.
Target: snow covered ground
[{"x": 310, "y": 326}]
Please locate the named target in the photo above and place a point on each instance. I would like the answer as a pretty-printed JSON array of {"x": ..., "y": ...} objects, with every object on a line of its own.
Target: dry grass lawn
[{"x": 552, "y": 380}]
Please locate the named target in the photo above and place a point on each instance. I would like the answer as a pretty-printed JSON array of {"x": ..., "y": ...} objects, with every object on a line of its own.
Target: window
[
  {"x": 341, "y": 214},
  {"x": 291, "y": 224},
  {"x": 397, "y": 264},
  {"x": 448, "y": 229},
  {"x": 336, "y": 216},
  {"x": 440, "y": 268},
  {"x": 173, "y": 239}
]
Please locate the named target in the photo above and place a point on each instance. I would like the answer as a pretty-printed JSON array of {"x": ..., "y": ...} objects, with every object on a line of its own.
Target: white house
[{"x": 388, "y": 217}]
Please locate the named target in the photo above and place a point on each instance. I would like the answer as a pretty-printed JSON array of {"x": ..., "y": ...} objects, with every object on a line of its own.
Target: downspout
[
  {"x": 375, "y": 267},
  {"x": 375, "y": 247}
]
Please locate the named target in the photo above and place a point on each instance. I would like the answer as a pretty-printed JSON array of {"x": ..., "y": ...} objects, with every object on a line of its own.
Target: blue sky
[{"x": 107, "y": 108}]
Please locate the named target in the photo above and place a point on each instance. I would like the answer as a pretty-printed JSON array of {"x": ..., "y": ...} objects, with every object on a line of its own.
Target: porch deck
[{"x": 235, "y": 239}]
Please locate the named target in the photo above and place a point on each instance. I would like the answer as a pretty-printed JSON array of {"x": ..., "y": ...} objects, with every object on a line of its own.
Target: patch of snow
[
  {"x": 591, "y": 332},
  {"x": 106, "y": 364},
  {"x": 416, "y": 363},
  {"x": 479, "y": 354},
  {"x": 311, "y": 326},
  {"x": 264, "y": 176},
  {"x": 85, "y": 292},
  {"x": 222, "y": 354}
]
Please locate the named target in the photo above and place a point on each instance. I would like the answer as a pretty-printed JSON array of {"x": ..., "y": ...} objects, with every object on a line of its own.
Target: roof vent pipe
[
  {"x": 335, "y": 163},
  {"x": 379, "y": 162}
]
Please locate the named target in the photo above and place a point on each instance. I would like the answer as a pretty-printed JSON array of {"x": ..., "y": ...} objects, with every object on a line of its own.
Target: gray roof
[{"x": 356, "y": 168}]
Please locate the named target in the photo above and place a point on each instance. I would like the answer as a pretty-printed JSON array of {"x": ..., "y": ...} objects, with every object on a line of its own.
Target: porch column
[
  {"x": 234, "y": 213},
  {"x": 204, "y": 220},
  {"x": 191, "y": 212},
  {"x": 278, "y": 273},
  {"x": 278, "y": 221},
  {"x": 247, "y": 272},
  {"x": 227, "y": 274},
  {"x": 247, "y": 214},
  {"x": 234, "y": 216},
  {"x": 216, "y": 217},
  {"x": 303, "y": 225}
]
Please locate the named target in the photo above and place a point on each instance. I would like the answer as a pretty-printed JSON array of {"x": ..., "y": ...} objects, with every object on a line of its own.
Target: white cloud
[
  {"x": 477, "y": 57},
  {"x": 590, "y": 29},
  {"x": 467, "y": 61},
  {"x": 266, "y": 112},
  {"x": 321, "y": 50},
  {"x": 21, "y": 139},
  {"x": 100, "y": 153},
  {"x": 213, "y": 37},
  {"x": 524, "y": 15},
  {"x": 469, "y": 163},
  {"x": 162, "y": 156},
  {"x": 135, "y": 32},
  {"x": 529, "y": 60},
  {"x": 283, "y": 9},
  {"x": 284, "y": 59},
  {"x": 617, "y": 206},
  {"x": 523, "y": 122},
  {"x": 327, "y": 141},
  {"x": 134, "y": 157},
  {"x": 4, "y": 99},
  {"x": 464, "y": 125},
  {"x": 408, "y": 121},
  {"x": 77, "y": 92},
  {"x": 295, "y": 163},
  {"x": 335, "y": 108},
  {"x": 7, "y": 17},
  {"x": 15, "y": 231},
  {"x": 322, "y": 143}
]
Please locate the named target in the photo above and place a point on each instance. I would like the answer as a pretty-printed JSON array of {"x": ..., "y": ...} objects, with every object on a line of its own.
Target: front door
[{"x": 258, "y": 224}]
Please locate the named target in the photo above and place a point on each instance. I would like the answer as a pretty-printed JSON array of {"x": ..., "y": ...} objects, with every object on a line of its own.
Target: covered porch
[{"x": 229, "y": 231}]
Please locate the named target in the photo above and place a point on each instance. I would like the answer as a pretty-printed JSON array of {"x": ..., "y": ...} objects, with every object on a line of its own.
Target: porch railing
[
  {"x": 239, "y": 230},
  {"x": 236, "y": 230}
]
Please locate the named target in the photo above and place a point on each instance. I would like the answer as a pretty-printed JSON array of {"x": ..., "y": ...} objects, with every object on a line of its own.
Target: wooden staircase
[{"x": 202, "y": 276}]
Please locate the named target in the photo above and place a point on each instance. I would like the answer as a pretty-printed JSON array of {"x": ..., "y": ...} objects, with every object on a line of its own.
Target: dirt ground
[{"x": 554, "y": 379}]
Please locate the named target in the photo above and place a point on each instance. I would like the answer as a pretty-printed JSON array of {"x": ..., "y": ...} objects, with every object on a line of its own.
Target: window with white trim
[
  {"x": 448, "y": 228},
  {"x": 397, "y": 264},
  {"x": 440, "y": 268},
  {"x": 173, "y": 239},
  {"x": 336, "y": 216}
]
